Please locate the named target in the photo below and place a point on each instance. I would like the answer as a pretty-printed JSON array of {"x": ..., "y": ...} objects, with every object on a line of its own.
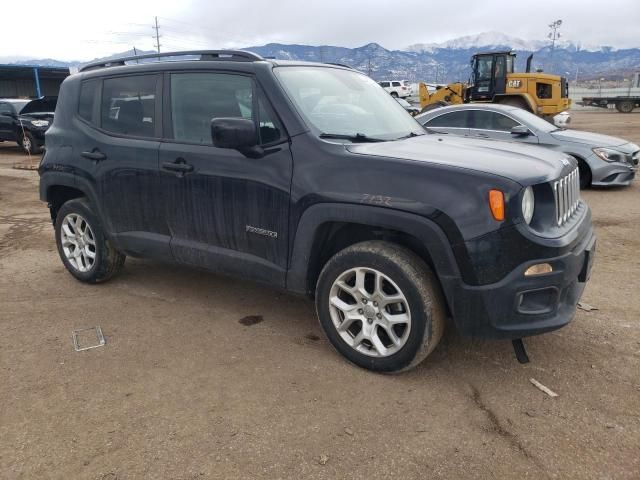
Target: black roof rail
[{"x": 224, "y": 55}]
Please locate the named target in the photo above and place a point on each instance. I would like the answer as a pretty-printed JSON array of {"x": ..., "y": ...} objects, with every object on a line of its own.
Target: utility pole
[
  {"x": 157, "y": 36},
  {"x": 554, "y": 35}
]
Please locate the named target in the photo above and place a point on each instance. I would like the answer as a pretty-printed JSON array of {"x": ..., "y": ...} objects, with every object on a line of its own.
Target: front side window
[
  {"x": 5, "y": 108},
  {"x": 334, "y": 102},
  {"x": 384, "y": 84},
  {"x": 197, "y": 98},
  {"x": 451, "y": 120},
  {"x": 485, "y": 120},
  {"x": 128, "y": 105}
]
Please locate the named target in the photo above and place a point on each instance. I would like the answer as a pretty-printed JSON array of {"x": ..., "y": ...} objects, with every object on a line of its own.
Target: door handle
[
  {"x": 177, "y": 166},
  {"x": 95, "y": 155}
]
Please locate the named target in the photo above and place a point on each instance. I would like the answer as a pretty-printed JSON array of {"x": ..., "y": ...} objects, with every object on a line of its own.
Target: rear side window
[
  {"x": 451, "y": 120},
  {"x": 88, "y": 91},
  {"x": 129, "y": 105},
  {"x": 395, "y": 84},
  {"x": 384, "y": 84},
  {"x": 197, "y": 98}
]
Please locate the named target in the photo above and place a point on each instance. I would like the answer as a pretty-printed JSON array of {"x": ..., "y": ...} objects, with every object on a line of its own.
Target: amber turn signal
[
  {"x": 496, "y": 204},
  {"x": 538, "y": 269}
]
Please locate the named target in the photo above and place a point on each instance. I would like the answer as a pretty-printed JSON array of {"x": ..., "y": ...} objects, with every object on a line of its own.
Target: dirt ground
[{"x": 183, "y": 389}]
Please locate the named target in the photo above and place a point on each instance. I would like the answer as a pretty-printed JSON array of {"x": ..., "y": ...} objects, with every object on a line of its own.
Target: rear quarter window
[{"x": 87, "y": 101}]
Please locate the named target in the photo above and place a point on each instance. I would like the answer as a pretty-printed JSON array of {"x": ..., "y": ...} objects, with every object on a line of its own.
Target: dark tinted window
[
  {"x": 384, "y": 84},
  {"x": 395, "y": 84},
  {"x": 86, "y": 103},
  {"x": 451, "y": 120},
  {"x": 485, "y": 120},
  {"x": 128, "y": 105},
  {"x": 197, "y": 98}
]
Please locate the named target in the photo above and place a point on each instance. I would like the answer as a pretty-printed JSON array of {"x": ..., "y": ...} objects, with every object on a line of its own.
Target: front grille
[{"x": 566, "y": 193}]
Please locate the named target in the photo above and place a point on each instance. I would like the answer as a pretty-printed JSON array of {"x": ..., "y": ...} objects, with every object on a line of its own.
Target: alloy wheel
[
  {"x": 370, "y": 312},
  {"x": 78, "y": 242}
]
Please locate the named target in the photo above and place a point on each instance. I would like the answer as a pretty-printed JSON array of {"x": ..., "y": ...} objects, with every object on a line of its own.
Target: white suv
[{"x": 397, "y": 89}]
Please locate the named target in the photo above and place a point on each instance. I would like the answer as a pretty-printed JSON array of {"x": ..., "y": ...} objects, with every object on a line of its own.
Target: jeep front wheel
[
  {"x": 380, "y": 306},
  {"x": 85, "y": 251}
]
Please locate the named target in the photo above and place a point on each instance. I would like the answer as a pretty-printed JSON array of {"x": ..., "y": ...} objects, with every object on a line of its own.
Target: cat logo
[{"x": 514, "y": 83}]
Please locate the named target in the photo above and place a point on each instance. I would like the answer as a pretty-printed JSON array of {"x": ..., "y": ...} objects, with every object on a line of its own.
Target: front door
[{"x": 226, "y": 212}]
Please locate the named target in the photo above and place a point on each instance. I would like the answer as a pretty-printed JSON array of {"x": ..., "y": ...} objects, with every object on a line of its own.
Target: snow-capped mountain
[
  {"x": 447, "y": 61},
  {"x": 494, "y": 40},
  {"x": 485, "y": 39}
]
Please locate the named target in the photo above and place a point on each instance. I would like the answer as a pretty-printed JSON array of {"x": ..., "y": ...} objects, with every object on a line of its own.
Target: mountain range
[{"x": 447, "y": 61}]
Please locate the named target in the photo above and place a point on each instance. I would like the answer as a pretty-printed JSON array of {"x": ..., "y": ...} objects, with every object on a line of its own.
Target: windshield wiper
[
  {"x": 358, "y": 137},
  {"x": 410, "y": 135}
]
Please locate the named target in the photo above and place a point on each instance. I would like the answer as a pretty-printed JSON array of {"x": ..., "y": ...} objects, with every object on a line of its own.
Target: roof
[{"x": 239, "y": 56}]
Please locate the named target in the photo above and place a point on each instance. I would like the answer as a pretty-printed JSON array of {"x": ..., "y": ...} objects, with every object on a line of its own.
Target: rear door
[
  {"x": 118, "y": 142},
  {"x": 226, "y": 212}
]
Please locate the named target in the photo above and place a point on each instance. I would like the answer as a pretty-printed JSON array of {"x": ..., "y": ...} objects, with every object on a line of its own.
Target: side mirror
[
  {"x": 520, "y": 130},
  {"x": 237, "y": 134}
]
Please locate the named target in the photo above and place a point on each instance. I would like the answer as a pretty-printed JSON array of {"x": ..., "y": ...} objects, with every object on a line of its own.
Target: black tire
[
  {"x": 29, "y": 144},
  {"x": 585, "y": 174},
  {"x": 394, "y": 94},
  {"x": 108, "y": 261},
  {"x": 415, "y": 281},
  {"x": 626, "y": 106}
]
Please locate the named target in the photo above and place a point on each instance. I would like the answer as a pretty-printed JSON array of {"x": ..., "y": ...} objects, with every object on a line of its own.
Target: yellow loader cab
[{"x": 493, "y": 80}]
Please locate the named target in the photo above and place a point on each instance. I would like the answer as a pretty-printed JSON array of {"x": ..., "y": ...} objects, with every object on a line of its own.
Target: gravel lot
[{"x": 185, "y": 389}]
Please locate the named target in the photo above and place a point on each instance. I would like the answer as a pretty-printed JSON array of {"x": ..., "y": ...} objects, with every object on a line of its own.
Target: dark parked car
[
  {"x": 26, "y": 121},
  {"x": 310, "y": 178},
  {"x": 603, "y": 160}
]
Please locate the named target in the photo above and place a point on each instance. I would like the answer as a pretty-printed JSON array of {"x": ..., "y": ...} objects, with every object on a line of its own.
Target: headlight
[
  {"x": 610, "y": 155},
  {"x": 528, "y": 204},
  {"x": 40, "y": 123}
]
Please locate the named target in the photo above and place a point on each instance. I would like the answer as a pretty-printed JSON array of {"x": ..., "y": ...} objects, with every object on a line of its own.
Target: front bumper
[{"x": 519, "y": 306}]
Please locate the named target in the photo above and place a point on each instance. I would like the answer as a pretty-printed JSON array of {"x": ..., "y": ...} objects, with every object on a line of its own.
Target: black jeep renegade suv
[{"x": 310, "y": 177}]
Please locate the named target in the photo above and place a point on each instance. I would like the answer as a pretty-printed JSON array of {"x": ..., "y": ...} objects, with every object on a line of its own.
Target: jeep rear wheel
[
  {"x": 380, "y": 306},
  {"x": 85, "y": 251}
]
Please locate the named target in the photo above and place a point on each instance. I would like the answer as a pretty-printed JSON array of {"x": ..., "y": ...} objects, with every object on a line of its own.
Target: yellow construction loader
[{"x": 493, "y": 80}]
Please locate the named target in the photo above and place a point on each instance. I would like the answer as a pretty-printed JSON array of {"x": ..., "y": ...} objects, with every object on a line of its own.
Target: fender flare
[{"x": 424, "y": 229}]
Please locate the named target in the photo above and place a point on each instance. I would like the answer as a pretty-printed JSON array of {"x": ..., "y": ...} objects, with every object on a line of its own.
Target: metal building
[{"x": 30, "y": 81}]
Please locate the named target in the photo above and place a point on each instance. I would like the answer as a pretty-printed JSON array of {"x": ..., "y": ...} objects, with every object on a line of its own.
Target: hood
[
  {"x": 43, "y": 105},
  {"x": 592, "y": 139},
  {"x": 525, "y": 164}
]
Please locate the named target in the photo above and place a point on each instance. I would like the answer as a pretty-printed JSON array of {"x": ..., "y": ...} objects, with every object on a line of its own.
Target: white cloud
[{"x": 82, "y": 30}]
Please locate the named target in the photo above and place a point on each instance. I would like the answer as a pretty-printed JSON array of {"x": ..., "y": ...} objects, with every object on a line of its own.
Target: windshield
[
  {"x": 19, "y": 104},
  {"x": 535, "y": 123},
  {"x": 342, "y": 102}
]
